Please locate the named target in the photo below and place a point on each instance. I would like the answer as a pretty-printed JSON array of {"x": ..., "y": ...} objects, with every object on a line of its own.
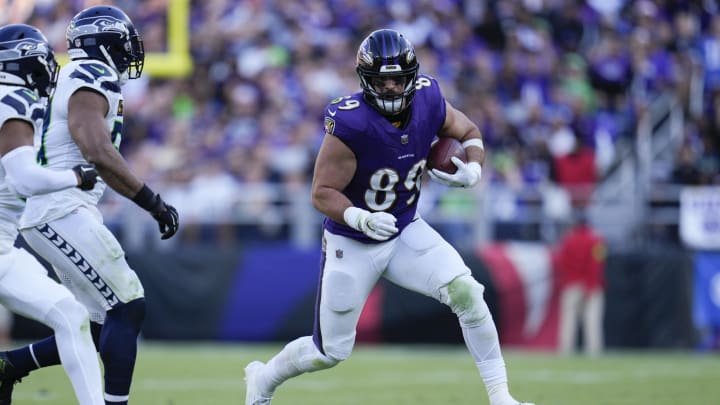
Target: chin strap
[{"x": 109, "y": 60}]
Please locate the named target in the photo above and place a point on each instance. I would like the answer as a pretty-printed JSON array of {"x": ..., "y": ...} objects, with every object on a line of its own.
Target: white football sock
[
  {"x": 484, "y": 345},
  {"x": 297, "y": 357}
]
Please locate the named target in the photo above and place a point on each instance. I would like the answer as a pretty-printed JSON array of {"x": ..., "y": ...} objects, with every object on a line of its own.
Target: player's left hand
[
  {"x": 467, "y": 174},
  {"x": 87, "y": 176},
  {"x": 166, "y": 216}
]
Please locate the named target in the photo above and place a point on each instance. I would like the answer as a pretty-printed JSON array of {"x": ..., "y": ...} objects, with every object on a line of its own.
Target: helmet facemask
[
  {"x": 45, "y": 78},
  {"x": 389, "y": 102}
]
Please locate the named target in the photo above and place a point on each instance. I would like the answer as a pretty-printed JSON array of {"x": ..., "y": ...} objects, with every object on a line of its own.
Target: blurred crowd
[{"x": 556, "y": 86}]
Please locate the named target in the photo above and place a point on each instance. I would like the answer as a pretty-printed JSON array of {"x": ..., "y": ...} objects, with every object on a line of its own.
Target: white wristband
[
  {"x": 474, "y": 142},
  {"x": 353, "y": 217}
]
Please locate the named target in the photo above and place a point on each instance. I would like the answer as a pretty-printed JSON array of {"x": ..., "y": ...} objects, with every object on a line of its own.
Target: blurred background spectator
[
  {"x": 559, "y": 88},
  {"x": 580, "y": 259}
]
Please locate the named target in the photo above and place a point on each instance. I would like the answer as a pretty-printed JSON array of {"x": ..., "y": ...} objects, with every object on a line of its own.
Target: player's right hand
[
  {"x": 376, "y": 225},
  {"x": 467, "y": 174},
  {"x": 166, "y": 216},
  {"x": 87, "y": 176}
]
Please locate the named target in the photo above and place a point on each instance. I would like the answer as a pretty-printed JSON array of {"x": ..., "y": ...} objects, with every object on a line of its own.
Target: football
[{"x": 442, "y": 150}]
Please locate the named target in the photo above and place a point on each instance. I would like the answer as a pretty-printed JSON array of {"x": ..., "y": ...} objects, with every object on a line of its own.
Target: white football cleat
[{"x": 253, "y": 394}]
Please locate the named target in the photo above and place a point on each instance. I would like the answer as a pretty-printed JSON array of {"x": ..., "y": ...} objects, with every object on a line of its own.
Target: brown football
[{"x": 441, "y": 152}]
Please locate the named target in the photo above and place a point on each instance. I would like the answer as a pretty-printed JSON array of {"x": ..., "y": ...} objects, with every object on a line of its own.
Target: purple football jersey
[{"x": 390, "y": 160}]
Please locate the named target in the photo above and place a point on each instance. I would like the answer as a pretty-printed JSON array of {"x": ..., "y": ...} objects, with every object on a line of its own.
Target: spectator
[
  {"x": 575, "y": 171},
  {"x": 685, "y": 171},
  {"x": 579, "y": 266}
]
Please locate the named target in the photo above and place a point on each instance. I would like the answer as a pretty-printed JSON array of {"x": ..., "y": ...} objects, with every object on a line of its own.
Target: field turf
[{"x": 209, "y": 374}]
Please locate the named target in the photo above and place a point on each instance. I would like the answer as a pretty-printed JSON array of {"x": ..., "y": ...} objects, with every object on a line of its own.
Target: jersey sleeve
[{"x": 21, "y": 104}]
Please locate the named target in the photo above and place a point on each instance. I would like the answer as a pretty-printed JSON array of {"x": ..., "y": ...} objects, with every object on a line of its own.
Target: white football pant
[
  {"x": 419, "y": 260},
  {"x": 88, "y": 260}
]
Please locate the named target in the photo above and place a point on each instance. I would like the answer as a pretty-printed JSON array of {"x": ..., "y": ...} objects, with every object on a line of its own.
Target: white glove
[
  {"x": 467, "y": 174},
  {"x": 376, "y": 225}
]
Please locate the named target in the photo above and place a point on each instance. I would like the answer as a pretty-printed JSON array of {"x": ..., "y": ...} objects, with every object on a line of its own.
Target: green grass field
[{"x": 209, "y": 374}]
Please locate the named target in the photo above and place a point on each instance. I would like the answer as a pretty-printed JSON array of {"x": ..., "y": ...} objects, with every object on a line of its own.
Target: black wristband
[{"x": 145, "y": 198}]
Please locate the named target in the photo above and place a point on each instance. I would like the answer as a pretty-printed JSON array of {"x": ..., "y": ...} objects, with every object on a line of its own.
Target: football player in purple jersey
[{"x": 367, "y": 182}]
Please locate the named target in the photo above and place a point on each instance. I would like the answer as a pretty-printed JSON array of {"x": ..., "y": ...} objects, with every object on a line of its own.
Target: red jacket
[{"x": 580, "y": 258}]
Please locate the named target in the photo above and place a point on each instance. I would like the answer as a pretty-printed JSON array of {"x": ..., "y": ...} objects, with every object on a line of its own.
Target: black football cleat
[{"x": 8, "y": 377}]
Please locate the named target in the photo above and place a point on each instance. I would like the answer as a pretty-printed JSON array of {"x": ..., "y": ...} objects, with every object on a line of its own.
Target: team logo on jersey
[
  {"x": 404, "y": 139},
  {"x": 339, "y": 254},
  {"x": 329, "y": 125},
  {"x": 120, "y": 108}
]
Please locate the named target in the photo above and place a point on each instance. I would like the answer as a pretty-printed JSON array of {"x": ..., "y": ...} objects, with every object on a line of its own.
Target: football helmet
[
  {"x": 26, "y": 59},
  {"x": 387, "y": 54},
  {"x": 106, "y": 33}
]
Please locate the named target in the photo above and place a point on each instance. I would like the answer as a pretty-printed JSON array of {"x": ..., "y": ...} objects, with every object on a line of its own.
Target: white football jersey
[
  {"x": 55, "y": 146},
  {"x": 16, "y": 102}
]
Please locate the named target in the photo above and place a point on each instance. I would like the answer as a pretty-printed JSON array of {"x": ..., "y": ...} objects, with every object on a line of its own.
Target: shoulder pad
[
  {"x": 96, "y": 75},
  {"x": 21, "y": 103}
]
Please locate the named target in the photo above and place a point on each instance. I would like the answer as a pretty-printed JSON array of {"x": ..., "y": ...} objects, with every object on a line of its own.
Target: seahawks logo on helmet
[
  {"x": 98, "y": 26},
  {"x": 33, "y": 48}
]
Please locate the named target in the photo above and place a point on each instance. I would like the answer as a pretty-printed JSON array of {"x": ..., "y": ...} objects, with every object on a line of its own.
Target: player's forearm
[
  {"x": 115, "y": 172},
  {"x": 29, "y": 179},
  {"x": 331, "y": 203}
]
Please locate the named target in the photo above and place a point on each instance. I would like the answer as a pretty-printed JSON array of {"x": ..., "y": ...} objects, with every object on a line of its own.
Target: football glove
[
  {"x": 467, "y": 174},
  {"x": 376, "y": 225},
  {"x": 166, "y": 216},
  {"x": 87, "y": 175}
]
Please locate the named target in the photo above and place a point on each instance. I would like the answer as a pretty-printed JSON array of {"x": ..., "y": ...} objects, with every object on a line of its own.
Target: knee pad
[
  {"x": 307, "y": 357},
  {"x": 341, "y": 294},
  {"x": 339, "y": 352},
  {"x": 68, "y": 313},
  {"x": 465, "y": 298}
]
